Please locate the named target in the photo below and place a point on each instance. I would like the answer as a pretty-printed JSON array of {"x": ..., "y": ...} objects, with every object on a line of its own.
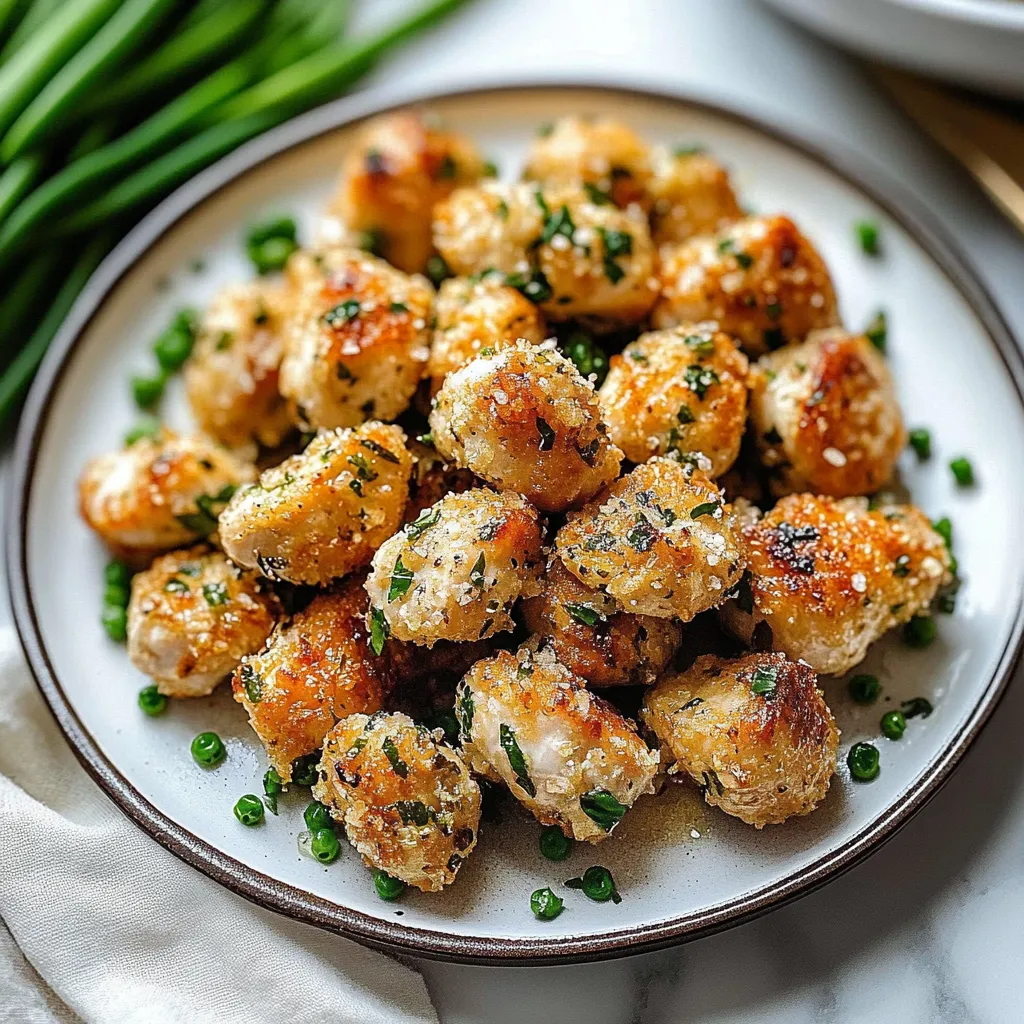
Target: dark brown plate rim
[{"x": 393, "y": 936}]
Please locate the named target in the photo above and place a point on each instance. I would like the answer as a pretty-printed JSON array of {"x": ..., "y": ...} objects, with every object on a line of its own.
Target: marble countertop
[{"x": 928, "y": 929}]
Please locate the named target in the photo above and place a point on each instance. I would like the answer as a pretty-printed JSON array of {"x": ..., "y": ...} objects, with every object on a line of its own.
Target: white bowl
[{"x": 978, "y": 43}]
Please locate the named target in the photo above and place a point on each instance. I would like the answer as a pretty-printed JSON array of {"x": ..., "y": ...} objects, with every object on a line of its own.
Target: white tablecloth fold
[{"x": 122, "y": 931}]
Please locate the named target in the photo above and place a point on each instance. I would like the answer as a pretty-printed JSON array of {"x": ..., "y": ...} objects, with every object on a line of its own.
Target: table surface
[{"x": 927, "y": 930}]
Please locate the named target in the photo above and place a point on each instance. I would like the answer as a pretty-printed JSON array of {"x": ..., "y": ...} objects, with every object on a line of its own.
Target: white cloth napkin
[{"x": 120, "y": 930}]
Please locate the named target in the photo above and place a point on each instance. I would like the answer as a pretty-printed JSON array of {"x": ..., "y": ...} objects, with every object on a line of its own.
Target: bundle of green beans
[{"x": 108, "y": 105}]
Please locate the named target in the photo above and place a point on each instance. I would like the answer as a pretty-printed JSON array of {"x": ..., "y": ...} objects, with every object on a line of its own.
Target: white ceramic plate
[
  {"x": 682, "y": 869},
  {"x": 978, "y": 43}
]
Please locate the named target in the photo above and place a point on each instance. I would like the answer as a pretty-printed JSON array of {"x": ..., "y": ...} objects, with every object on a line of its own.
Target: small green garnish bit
[
  {"x": 317, "y": 816},
  {"x": 707, "y": 508},
  {"x": 324, "y": 845},
  {"x": 868, "y": 237},
  {"x": 373, "y": 241},
  {"x": 491, "y": 169},
  {"x": 901, "y": 567},
  {"x": 424, "y": 521},
  {"x": 534, "y": 286},
  {"x": 251, "y": 682},
  {"x": 388, "y": 888},
  {"x": 877, "y": 331},
  {"x": 147, "y": 391},
  {"x": 464, "y": 710},
  {"x": 546, "y": 906},
  {"x": 249, "y": 809},
  {"x": 764, "y": 681},
  {"x": 616, "y": 245},
  {"x": 558, "y": 223},
  {"x": 391, "y": 753},
  {"x": 864, "y": 689},
  {"x": 920, "y": 631},
  {"x": 476, "y": 573},
  {"x": 963, "y": 471},
  {"x": 862, "y": 760},
  {"x": 597, "y": 196},
  {"x": 894, "y": 725},
  {"x": 215, "y": 594},
  {"x": 269, "y": 244},
  {"x": 583, "y": 613},
  {"x": 690, "y": 150},
  {"x": 148, "y": 427},
  {"x": 152, "y": 701},
  {"x": 398, "y": 308},
  {"x": 208, "y": 750},
  {"x": 379, "y": 630},
  {"x": 115, "y": 622},
  {"x": 437, "y": 270},
  {"x": 516, "y": 760},
  {"x": 602, "y": 808},
  {"x": 305, "y": 770},
  {"x": 554, "y": 843},
  {"x": 699, "y": 378},
  {"x": 587, "y": 356},
  {"x": 444, "y": 719},
  {"x": 944, "y": 528},
  {"x": 174, "y": 346},
  {"x": 342, "y": 313},
  {"x": 401, "y": 580},
  {"x": 272, "y": 789},
  {"x": 597, "y": 884},
  {"x": 921, "y": 442},
  {"x": 208, "y": 509}
]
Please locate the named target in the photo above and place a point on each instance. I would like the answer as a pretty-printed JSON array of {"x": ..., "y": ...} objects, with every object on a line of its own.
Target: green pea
[
  {"x": 597, "y": 884},
  {"x": 208, "y": 749},
  {"x": 963, "y": 471},
  {"x": 115, "y": 594},
  {"x": 172, "y": 348},
  {"x": 272, "y": 254},
  {"x": 152, "y": 701},
  {"x": 117, "y": 573},
  {"x": 546, "y": 905},
  {"x": 317, "y": 817},
  {"x": 249, "y": 810},
  {"x": 920, "y": 631},
  {"x": 115, "y": 621},
  {"x": 388, "y": 888},
  {"x": 325, "y": 846},
  {"x": 272, "y": 789},
  {"x": 862, "y": 760},
  {"x": 867, "y": 235},
  {"x": 894, "y": 725},
  {"x": 864, "y": 689},
  {"x": 921, "y": 442},
  {"x": 147, "y": 391},
  {"x": 554, "y": 843}
]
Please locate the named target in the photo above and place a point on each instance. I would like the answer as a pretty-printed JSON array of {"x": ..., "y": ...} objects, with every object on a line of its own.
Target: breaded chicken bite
[
  {"x": 761, "y": 279},
  {"x": 397, "y": 169},
  {"x": 232, "y": 375},
  {"x": 193, "y": 616},
  {"x": 661, "y": 541},
  {"x": 525, "y": 420},
  {"x": 322, "y": 513},
  {"x": 826, "y": 416},
  {"x": 407, "y": 800},
  {"x": 594, "y": 639},
  {"x": 828, "y": 577},
  {"x": 567, "y": 756},
  {"x": 575, "y": 258},
  {"x": 607, "y": 156},
  {"x": 316, "y": 669},
  {"x": 159, "y": 493},
  {"x": 455, "y": 572},
  {"x": 433, "y": 476},
  {"x": 679, "y": 390},
  {"x": 692, "y": 195},
  {"x": 478, "y": 315},
  {"x": 755, "y": 733},
  {"x": 358, "y": 340}
]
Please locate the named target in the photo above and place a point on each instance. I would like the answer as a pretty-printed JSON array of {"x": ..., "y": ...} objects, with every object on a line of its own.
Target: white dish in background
[
  {"x": 978, "y": 43},
  {"x": 683, "y": 869}
]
